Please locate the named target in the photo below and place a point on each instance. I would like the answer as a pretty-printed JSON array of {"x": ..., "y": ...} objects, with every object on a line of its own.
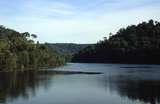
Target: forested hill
[
  {"x": 133, "y": 44},
  {"x": 19, "y": 52},
  {"x": 67, "y": 48}
]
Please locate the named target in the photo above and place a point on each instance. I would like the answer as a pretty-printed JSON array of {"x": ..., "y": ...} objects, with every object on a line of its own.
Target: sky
[{"x": 75, "y": 21}]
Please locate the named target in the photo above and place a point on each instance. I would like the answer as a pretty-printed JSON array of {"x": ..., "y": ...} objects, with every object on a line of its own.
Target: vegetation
[
  {"x": 67, "y": 49},
  {"x": 18, "y": 52},
  {"x": 134, "y": 44}
]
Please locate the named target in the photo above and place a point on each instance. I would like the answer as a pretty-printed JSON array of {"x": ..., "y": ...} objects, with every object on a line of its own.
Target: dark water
[{"x": 119, "y": 84}]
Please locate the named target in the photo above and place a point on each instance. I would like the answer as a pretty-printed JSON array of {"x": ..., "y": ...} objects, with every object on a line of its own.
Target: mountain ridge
[{"x": 67, "y": 48}]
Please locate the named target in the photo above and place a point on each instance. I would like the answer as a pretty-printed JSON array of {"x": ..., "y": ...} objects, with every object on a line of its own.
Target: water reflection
[
  {"x": 147, "y": 91},
  {"x": 24, "y": 85},
  {"x": 89, "y": 88}
]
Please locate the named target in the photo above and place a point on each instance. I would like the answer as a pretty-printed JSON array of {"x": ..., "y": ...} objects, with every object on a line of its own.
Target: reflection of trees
[
  {"x": 144, "y": 90},
  {"x": 13, "y": 85}
]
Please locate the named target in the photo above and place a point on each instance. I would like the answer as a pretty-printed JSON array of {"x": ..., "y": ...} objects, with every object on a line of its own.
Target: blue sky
[{"x": 75, "y": 21}]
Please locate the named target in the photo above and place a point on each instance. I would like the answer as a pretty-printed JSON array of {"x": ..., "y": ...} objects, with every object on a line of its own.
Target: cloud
[
  {"x": 50, "y": 9},
  {"x": 81, "y": 21}
]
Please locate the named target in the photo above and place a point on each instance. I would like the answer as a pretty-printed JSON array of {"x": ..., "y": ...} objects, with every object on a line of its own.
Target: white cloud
[
  {"x": 62, "y": 22},
  {"x": 50, "y": 8}
]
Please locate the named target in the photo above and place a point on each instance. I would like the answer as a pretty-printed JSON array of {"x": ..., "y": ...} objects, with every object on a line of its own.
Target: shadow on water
[
  {"x": 15, "y": 85},
  {"x": 25, "y": 84},
  {"x": 147, "y": 91}
]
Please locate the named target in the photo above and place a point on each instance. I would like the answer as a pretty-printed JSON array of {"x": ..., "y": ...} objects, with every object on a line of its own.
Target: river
[{"x": 117, "y": 84}]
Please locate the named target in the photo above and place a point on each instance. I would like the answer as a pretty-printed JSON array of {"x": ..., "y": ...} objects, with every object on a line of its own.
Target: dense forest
[
  {"x": 18, "y": 51},
  {"x": 134, "y": 44},
  {"x": 67, "y": 49}
]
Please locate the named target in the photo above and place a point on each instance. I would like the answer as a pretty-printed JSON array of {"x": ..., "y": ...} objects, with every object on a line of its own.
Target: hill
[
  {"x": 67, "y": 49},
  {"x": 138, "y": 44}
]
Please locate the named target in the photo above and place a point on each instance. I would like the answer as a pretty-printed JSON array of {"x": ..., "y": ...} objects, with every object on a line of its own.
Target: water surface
[{"x": 119, "y": 84}]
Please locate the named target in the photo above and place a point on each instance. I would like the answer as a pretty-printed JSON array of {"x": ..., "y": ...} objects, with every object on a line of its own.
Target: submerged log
[{"x": 65, "y": 72}]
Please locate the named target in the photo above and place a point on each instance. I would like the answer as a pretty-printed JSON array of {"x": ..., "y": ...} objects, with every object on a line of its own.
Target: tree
[
  {"x": 134, "y": 44},
  {"x": 34, "y": 36},
  {"x": 18, "y": 51}
]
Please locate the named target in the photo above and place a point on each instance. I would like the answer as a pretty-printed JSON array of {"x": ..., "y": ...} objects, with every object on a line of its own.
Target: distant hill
[{"x": 68, "y": 49}]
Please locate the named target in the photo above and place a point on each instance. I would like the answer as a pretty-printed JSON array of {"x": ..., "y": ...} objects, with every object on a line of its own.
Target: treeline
[
  {"x": 18, "y": 51},
  {"x": 67, "y": 49},
  {"x": 135, "y": 44}
]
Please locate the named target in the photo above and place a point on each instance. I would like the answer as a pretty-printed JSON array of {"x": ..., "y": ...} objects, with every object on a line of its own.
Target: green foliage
[
  {"x": 67, "y": 49},
  {"x": 134, "y": 44},
  {"x": 18, "y": 52}
]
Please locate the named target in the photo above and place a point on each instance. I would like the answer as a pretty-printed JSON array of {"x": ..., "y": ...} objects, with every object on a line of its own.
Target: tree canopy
[
  {"x": 133, "y": 44},
  {"x": 18, "y": 51}
]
